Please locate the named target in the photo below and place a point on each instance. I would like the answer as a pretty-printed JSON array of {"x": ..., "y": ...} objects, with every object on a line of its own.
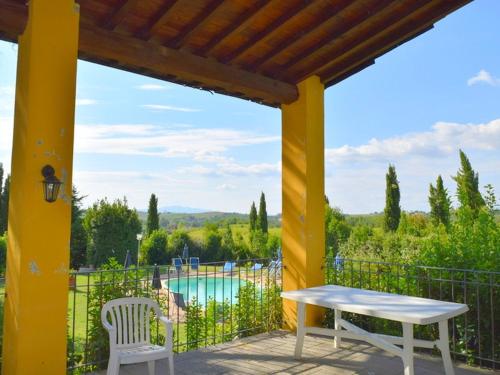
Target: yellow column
[
  {"x": 303, "y": 228},
  {"x": 36, "y": 302}
]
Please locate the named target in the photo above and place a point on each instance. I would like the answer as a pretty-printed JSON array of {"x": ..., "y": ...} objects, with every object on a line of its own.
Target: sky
[{"x": 415, "y": 108}]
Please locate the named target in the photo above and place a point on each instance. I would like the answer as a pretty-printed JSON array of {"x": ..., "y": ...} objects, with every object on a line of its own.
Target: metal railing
[
  {"x": 474, "y": 336},
  {"x": 208, "y": 304}
]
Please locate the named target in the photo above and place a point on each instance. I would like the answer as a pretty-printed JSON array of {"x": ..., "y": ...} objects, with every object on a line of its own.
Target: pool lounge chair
[
  {"x": 257, "y": 267},
  {"x": 194, "y": 263},
  {"x": 275, "y": 267},
  {"x": 177, "y": 263},
  {"x": 229, "y": 267}
]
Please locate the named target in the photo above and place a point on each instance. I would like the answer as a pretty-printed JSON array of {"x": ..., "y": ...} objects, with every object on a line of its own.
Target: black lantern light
[{"x": 51, "y": 184}]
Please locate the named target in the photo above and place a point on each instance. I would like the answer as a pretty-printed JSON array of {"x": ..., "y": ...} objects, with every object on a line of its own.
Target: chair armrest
[{"x": 169, "y": 339}]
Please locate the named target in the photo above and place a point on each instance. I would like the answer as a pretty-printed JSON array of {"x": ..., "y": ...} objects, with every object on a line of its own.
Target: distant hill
[
  {"x": 172, "y": 220},
  {"x": 182, "y": 210}
]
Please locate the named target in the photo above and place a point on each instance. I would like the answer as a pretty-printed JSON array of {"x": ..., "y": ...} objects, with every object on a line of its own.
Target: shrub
[{"x": 154, "y": 249}]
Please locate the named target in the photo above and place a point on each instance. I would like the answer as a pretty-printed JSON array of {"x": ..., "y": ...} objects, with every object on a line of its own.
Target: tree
[
  {"x": 392, "y": 210},
  {"x": 336, "y": 228},
  {"x": 1, "y": 189},
  {"x": 262, "y": 217},
  {"x": 4, "y": 207},
  {"x": 154, "y": 248},
  {"x": 253, "y": 217},
  {"x": 112, "y": 229},
  {"x": 78, "y": 242},
  {"x": 440, "y": 203},
  {"x": 153, "y": 221},
  {"x": 468, "y": 185}
]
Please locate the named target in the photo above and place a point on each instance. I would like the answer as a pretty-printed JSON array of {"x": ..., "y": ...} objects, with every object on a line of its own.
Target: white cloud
[
  {"x": 483, "y": 77},
  {"x": 443, "y": 139},
  {"x": 153, "y": 87},
  {"x": 206, "y": 145},
  {"x": 226, "y": 187},
  {"x": 228, "y": 167},
  {"x": 162, "y": 107},
  {"x": 82, "y": 102}
]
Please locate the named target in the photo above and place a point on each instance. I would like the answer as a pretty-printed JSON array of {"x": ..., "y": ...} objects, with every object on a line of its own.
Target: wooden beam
[
  {"x": 151, "y": 59},
  {"x": 384, "y": 37},
  {"x": 118, "y": 15},
  {"x": 324, "y": 17},
  {"x": 239, "y": 23},
  {"x": 268, "y": 30},
  {"x": 337, "y": 74},
  {"x": 355, "y": 22},
  {"x": 376, "y": 29},
  {"x": 159, "y": 18},
  {"x": 198, "y": 23}
]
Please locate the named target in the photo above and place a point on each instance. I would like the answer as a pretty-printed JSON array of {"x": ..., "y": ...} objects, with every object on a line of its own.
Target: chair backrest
[
  {"x": 177, "y": 262},
  {"x": 194, "y": 262},
  {"x": 228, "y": 266},
  {"x": 129, "y": 319}
]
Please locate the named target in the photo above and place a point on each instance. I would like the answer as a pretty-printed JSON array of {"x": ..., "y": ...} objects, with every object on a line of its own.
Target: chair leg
[
  {"x": 408, "y": 349},
  {"x": 444, "y": 346},
  {"x": 337, "y": 340},
  {"x": 301, "y": 317},
  {"x": 113, "y": 366},
  {"x": 151, "y": 367},
  {"x": 171, "y": 364}
]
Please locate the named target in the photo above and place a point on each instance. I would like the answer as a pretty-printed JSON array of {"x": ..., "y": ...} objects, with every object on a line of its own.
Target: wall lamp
[{"x": 51, "y": 184}]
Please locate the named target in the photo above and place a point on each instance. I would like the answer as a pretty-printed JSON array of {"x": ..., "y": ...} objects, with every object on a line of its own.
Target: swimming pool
[{"x": 204, "y": 288}]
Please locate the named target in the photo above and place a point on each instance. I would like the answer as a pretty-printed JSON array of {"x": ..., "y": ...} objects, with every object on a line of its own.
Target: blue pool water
[{"x": 204, "y": 288}]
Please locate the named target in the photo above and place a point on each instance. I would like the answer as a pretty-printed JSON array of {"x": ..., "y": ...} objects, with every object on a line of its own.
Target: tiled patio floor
[{"x": 273, "y": 354}]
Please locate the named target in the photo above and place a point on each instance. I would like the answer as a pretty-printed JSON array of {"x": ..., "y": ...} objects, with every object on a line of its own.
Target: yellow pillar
[
  {"x": 303, "y": 228},
  {"x": 36, "y": 302}
]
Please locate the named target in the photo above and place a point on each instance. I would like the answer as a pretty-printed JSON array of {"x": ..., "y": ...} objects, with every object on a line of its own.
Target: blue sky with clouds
[{"x": 414, "y": 108}]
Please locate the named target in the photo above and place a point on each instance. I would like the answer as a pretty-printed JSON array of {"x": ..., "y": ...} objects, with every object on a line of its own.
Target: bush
[
  {"x": 154, "y": 249},
  {"x": 3, "y": 253}
]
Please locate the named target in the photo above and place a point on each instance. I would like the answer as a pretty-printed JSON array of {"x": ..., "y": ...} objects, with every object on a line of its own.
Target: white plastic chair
[{"x": 127, "y": 321}]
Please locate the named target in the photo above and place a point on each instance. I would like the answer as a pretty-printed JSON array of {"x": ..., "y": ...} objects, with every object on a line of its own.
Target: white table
[{"x": 404, "y": 309}]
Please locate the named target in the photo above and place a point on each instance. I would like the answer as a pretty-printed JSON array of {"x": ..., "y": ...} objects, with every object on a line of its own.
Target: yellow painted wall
[
  {"x": 35, "y": 308},
  {"x": 303, "y": 228}
]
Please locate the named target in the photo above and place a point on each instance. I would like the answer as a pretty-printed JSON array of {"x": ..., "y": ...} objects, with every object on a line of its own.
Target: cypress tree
[
  {"x": 253, "y": 217},
  {"x": 4, "y": 209},
  {"x": 468, "y": 185},
  {"x": 153, "y": 221},
  {"x": 262, "y": 218},
  {"x": 440, "y": 203},
  {"x": 78, "y": 240},
  {"x": 392, "y": 211},
  {"x": 1, "y": 188}
]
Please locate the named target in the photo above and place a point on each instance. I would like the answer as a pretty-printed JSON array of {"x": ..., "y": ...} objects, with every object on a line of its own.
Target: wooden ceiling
[{"x": 253, "y": 49}]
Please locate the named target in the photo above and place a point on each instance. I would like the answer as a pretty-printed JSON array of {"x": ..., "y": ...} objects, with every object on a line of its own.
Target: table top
[{"x": 396, "y": 307}]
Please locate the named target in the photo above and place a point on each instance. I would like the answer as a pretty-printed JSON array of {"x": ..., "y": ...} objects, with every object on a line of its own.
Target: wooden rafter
[
  {"x": 340, "y": 72},
  {"x": 159, "y": 18},
  {"x": 324, "y": 17},
  {"x": 273, "y": 26},
  {"x": 196, "y": 24},
  {"x": 314, "y": 50},
  {"x": 151, "y": 59},
  {"x": 113, "y": 20},
  {"x": 240, "y": 22},
  {"x": 386, "y": 34}
]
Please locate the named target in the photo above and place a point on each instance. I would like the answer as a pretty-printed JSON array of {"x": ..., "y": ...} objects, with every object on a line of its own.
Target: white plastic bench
[
  {"x": 404, "y": 309},
  {"x": 128, "y": 322}
]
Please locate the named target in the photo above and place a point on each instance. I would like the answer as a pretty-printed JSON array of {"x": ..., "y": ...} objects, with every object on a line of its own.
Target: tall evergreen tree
[
  {"x": 392, "y": 210},
  {"x": 1, "y": 188},
  {"x": 78, "y": 242},
  {"x": 262, "y": 217},
  {"x": 468, "y": 185},
  {"x": 153, "y": 221},
  {"x": 4, "y": 208},
  {"x": 440, "y": 203},
  {"x": 253, "y": 217}
]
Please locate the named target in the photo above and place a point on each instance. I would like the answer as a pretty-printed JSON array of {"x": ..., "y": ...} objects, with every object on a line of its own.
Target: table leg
[
  {"x": 444, "y": 346},
  {"x": 301, "y": 317},
  {"x": 408, "y": 349},
  {"x": 337, "y": 341}
]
